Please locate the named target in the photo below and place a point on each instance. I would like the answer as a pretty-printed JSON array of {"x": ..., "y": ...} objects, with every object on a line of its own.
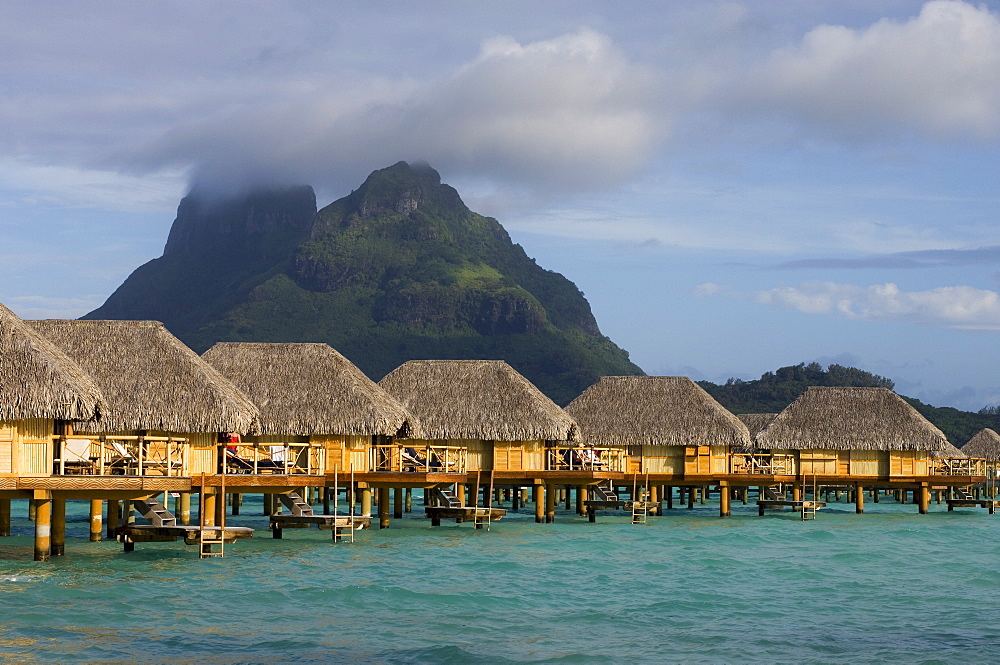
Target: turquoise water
[{"x": 886, "y": 586}]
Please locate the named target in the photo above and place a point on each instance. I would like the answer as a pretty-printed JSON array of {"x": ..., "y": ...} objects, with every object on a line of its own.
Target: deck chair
[
  {"x": 412, "y": 460},
  {"x": 76, "y": 457},
  {"x": 590, "y": 459},
  {"x": 237, "y": 464},
  {"x": 122, "y": 459}
]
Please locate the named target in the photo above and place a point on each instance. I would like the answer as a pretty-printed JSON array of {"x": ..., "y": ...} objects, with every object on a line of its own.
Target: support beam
[
  {"x": 366, "y": 502},
  {"x": 859, "y": 500},
  {"x": 581, "y": 497},
  {"x": 669, "y": 492},
  {"x": 58, "y": 527},
  {"x": 185, "y": 512},
  {"x": 408, "y": 500},
  {"x": 43, "y": 525},
  {"x": 383, "y": 507},
  {"x": 538, "y": 492},
  {"x": 96, "y": 522},
  {"x": 397, "y": 503},
  {"x": 691, "y": 492},
  {"x": 924, "y": 498},
  {"x": 724, "y": 497},
  {"x": 654, "y": 496},
  {"x": 550, "y": 504},
  {"x": 4, "y": 517},
  {"x": 206, "y": 507},
  {"x": 113, "y": 509}
]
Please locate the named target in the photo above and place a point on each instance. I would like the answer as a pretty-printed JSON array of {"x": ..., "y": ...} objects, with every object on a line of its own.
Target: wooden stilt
[
  {"x": 859, "y": 500},
  {"x": 397, "y": 503},
  {"x": 581, "y": 497},
  {"x": 185, "y": 509},
  {"x": 32, "y": 510},
  {"x": 538, "y": 492},
  {"x": 327, "y": 493},
  {"x": 669, "y": 492},
  {"x": 691, "y": 492},
  {"x": 654, "y": 497},
  {"x": 724, "y": 497},
  {"x": 4, "y": 517},
  {"x": 237, "y": 501},
  {"x": 209, "y": 509},
  {"x": 550, "y": 504},
  {"x": 796, "y": 492},
  {"x": 408, "y": 500},
  {"x": 43, "y": 524},
  {"x": 96, "y": 521},
  {"x": 566, "y": 496},
  {"x": 113, "y": 511},
  {"x": 515, "y": 498},
  {"x": 58, "y": 527},
  {"x": 366, "y": 502},
  {"x": 702, "y": 494},
  {"x": 383, "y": 507},
  {"x": 924, "y": 498}
]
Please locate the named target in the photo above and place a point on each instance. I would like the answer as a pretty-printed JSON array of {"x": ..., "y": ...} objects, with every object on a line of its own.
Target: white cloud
[
  {"x": 564, "y": 113},
  {"x": 707, "y": 289},
  {"x": 961, "y": 307},
  {"x": 938, "y": 72}
]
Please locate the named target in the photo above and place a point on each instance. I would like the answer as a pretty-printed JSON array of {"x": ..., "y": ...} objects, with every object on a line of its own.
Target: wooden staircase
[
  {"x": 605, "y": 492},
  {"x": 154, "y": 511},
  {"x": 962, "y": 494},
  {"x": 447, "y": 496},
  {"x": 293, "y": 501},
  {"x": 774, "y": 493}
]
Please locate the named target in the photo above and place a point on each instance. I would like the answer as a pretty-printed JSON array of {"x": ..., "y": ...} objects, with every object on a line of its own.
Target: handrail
[
  {"x": 957, "y": 466},
  {"x": 585, "y": 458},
  {"x": 120, "y": 455},
  {"x": 408, "y": 458},
  {"x": 765, "y": 464},
  {"x": 273, "y": 458}
]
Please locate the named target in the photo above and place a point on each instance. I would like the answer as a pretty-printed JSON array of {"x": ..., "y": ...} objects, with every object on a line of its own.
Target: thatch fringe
[
  {"x": 37, "y": 380},
  {"x": 477, "y": 399},
  {"x": 986, "y": 443},
  {"x": 307, "y": 389},
  {"x": 150, "y": 379},
  {"x": 658, "y": 410},
  {"x": 851, "y": 419}
]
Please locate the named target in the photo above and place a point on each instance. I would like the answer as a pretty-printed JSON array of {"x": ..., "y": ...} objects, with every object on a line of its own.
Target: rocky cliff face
[{"x": 400, "y": 269}]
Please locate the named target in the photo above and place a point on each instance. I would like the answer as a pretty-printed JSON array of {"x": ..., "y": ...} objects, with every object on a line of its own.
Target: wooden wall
[
  {"x": 662, "y": 459},
  {"x": 344, "y": 452},
  {"x": 519, "y": 455}
]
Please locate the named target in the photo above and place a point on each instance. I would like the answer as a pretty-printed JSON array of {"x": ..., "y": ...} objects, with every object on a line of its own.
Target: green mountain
[
  {"x": 773, "y": 391},
  {"x": 400, "y": 269}
]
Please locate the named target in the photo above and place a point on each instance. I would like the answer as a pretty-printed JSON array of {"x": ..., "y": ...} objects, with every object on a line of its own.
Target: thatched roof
[
  {"x": 37, "y": 380},
  {"x": 851, "y": 419},
  {"x": 756, "y": 422},
  {"x": 476, "y": 399},
  {"x": 150, "y": 379},
  {"x": 660, "y": 410},
  {"x": 986, "y": 443},
  {"x": 306, "y": 389},
  {"x": 949, "y": 450}
]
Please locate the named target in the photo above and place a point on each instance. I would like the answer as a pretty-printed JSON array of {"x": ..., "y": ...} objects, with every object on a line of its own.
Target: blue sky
[{"x": 735, "y": 186}]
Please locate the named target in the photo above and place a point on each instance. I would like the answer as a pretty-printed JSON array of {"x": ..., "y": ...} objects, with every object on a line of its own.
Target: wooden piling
[
  {"x": 538, "y": 494},
  {"x": 32, "y": 509},
  {"x": 859, "y": 500},
  {"x": 691, "y": 492},
  {"x": 515, "y": 498},
  {"x": 669, "y": 493},
  {"x": 408, "y": 500},
  {"x": 96, "y": 522},
  {"x": 724, "y": 497},
  {"x": 397, "y": 503},
  {"x": 58, "y": 527},
  {"x": 185, "y": 508},
  {"x": 383, "y": 507},
  {"x": 4, "y": 517},
  {"x": 924, "y": 498},
  {"x": 550, "y": 504},
  {"x": 366, "y": 502},
  {"x": 113, "y": 514},
  {"x": 42, "y": 502}
]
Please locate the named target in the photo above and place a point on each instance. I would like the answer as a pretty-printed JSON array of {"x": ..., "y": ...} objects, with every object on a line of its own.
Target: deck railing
[
  {"x": 107, "y": 455},
  {"x": 287, "y": 459},
  {"x": 764, "y": 464},
  {"x": 957, "y": 466},
  {"x": 585, "y": 459},
  {"x": 402, "y": 458}
]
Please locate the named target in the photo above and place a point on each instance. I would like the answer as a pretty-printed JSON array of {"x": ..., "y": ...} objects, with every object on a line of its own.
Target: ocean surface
[{"x": 887, "y": 586}]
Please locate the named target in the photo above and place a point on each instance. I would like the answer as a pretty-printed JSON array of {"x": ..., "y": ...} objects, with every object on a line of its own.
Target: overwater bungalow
[
  {"x": 514, "y": 435},
  {"x": 985, "y": 444},
  {"x": 42, "y": 393},
  {"x": 330, "y": 422},
  {"x": 672, "y": 432},
  {"x": 862, "y": 437},
  {"x": 160, "y": 430}
]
